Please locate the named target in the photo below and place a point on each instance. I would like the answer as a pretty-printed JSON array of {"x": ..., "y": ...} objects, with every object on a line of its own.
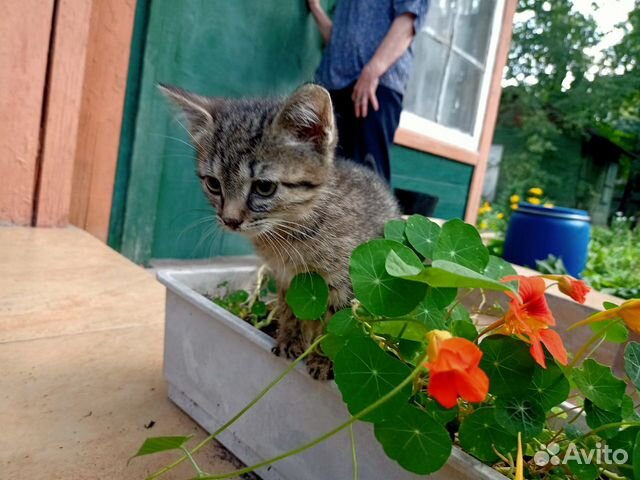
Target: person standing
[{"x": 365, "y": 67}]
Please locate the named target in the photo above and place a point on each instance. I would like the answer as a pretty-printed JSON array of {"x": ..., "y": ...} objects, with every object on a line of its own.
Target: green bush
[{"x": 613, "y": 266}]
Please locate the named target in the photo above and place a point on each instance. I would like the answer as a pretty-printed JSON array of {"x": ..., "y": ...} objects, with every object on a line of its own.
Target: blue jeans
[{"x": 367, "y": 140}]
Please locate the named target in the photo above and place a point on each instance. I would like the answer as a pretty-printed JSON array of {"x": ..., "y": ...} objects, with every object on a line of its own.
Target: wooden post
[
  {"x": 88, "y": 71},
  {"x": 105, "y": 85},
  {"x": 62, "y": 111},
  {"x": 25, "y": 29}
]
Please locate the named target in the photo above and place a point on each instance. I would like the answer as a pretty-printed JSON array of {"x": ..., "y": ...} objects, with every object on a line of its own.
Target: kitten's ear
[
  {"x": 196, "y": 108},
  {"x": 307, "y": 116}
]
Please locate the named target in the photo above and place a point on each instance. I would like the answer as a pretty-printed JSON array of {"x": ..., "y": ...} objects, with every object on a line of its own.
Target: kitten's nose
[{"x": 232, "y": 223}]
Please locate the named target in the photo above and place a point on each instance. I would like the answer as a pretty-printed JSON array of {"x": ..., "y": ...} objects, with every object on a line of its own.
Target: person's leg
[
  {"x": 345, "y": 121},
  {"x": 375, "y": 132}
]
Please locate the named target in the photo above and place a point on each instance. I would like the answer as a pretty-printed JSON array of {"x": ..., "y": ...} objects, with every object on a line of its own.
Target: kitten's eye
[
  {"x": 264, "y": 188},
  {"x": 212, "y": 185}
]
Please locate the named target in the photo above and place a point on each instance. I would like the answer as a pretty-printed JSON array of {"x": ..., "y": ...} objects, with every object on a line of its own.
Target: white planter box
[{"x": 215, "y": 363}]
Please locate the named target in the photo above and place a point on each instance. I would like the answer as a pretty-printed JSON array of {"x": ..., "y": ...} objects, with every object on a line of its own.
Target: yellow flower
[
  {"x": 483, "y": 225},
  {"x": 534, "y": 200},
  {"x": 629, "y": 312},
  {"x": 548, "y": 205},
  {"x": 514, "y": 206},
  {"x": 501, "y": 216},
  {"x": 514, "y": 198},
  {"x": 536, "y": 191}
]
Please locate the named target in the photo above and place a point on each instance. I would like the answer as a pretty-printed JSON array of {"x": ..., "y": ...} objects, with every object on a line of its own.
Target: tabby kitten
[{"x": 269, "y": 169}]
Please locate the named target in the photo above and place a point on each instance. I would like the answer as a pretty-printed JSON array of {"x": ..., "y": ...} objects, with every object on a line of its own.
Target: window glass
[{"x": 450, "y": 63}]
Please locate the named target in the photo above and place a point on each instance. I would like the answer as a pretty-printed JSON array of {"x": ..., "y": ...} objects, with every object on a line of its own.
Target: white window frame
[{"x": 453, "y": 136}]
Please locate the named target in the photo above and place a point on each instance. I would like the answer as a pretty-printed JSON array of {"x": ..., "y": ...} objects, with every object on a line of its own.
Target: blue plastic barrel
[{"x": 535, "y": 232}]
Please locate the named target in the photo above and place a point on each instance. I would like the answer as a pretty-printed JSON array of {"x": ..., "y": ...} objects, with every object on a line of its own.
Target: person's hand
[{"x": 364, "y": 91}]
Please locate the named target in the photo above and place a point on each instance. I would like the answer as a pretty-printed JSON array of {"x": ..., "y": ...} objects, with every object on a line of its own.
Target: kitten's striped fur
[{"x": 321, "y": 209}]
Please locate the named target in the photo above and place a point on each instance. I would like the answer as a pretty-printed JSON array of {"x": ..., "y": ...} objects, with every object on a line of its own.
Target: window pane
[
  {"x": 425, "y": 84},
  {"x": 461, "y": 95},
  {"x": 440, "y": 18},
  {"x": 473, "y": 27}
]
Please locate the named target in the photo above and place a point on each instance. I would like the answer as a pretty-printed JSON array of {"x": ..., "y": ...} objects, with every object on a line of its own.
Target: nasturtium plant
[
  {"x": 378, "y": 291},
  {"x": 432, "y": 371},
  {"x": 422, "y": 234},
  {"x": 460, "y": 243},
  {"x": 308, "y": 296},
  {"x": 598, "y": 384},
  {"x": 395, "y": 230},
  {"x": 365, "y": 373}
]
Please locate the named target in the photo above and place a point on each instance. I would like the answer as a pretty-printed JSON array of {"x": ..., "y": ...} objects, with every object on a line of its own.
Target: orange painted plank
[
  {"x": 101, "y": 112},
  {"x": 424, "y": 143},
  {"x": 62, "y": 120},
  {"x": 24, "y": 46}
]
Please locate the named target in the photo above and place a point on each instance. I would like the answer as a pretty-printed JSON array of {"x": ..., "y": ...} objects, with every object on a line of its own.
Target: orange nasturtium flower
[
  {"x": 629, "y": 312},
  {"x": 568, "y": 285},
  {"x": 453, "y": 369},
  {"x": 529, "y": 319}
]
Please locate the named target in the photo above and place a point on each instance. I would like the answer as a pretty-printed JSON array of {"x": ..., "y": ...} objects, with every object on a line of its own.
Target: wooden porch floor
[{"x": 81, "y": 341}]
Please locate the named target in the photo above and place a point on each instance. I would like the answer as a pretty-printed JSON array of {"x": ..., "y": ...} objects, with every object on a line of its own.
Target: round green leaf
[
  {"x": 549, "y": 386},
  {"x": 464, "y": 329},
  {"x": 460, "y": 243},
  {"x": 422, "y": 234},
  {"x": 378, "y": 291},
  {"x": 439, "y": 413},
  {"x": 342, "y": 323},
  {"x": 364, "y": 373},
  {"x": 479, "y": 434},
  {"x": 596, "y": 417},
  {"x": 239, "y": 296},
  {"x": 430, "y": 313},
  {"x": 520, "y": 415},
  {"x": 508, "y": 364},
  {"x": 598, "y": 384},
  {"x": 632, "y": 362},
  {"x": 259, "y": 308},
  {"x": 394, "y": 230},
  {"x": 581, "y": 470},
  {"x": 615, "y": 330},
  {"x": 442, "y": 297},
  {"x": 497, "y": 268},
  {"x": 625, "y": 440},
  {"x": 401, "y": 329},
  {"x": 308, "y": 296},
  {"x": 414, "y": 440}
]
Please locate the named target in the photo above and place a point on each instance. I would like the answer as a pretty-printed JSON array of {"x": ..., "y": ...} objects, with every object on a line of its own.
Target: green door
[{"x": 213, "y": 47}]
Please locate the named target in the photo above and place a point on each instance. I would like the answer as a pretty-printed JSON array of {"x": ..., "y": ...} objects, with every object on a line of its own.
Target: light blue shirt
[{"x": 359, "y": 26}]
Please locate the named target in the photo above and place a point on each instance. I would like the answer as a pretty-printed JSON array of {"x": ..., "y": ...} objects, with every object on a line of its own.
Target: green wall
[
  {"x": 425, "y": 173},
  {"x": 220, "y": 48}
]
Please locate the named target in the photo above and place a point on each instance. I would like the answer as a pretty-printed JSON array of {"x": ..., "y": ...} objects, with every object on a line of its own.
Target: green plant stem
[
  {"x": 193, "y": 462},
  {"x": 353, "y": 453},
  {"x": 594, "y": 338},
  {"x": 327, "y": 435},
  {"x": 609, "y": 426},
  {"x": 204, "y": 442}
]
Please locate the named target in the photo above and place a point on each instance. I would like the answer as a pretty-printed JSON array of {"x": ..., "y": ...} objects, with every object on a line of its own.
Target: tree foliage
[{"x": 559, "y": 88}]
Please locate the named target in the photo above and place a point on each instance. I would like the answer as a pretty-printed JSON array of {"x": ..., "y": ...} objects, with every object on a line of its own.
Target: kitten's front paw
[
  {"x": 291, "y": 348},
  {"x": 319, "y": 367}
]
